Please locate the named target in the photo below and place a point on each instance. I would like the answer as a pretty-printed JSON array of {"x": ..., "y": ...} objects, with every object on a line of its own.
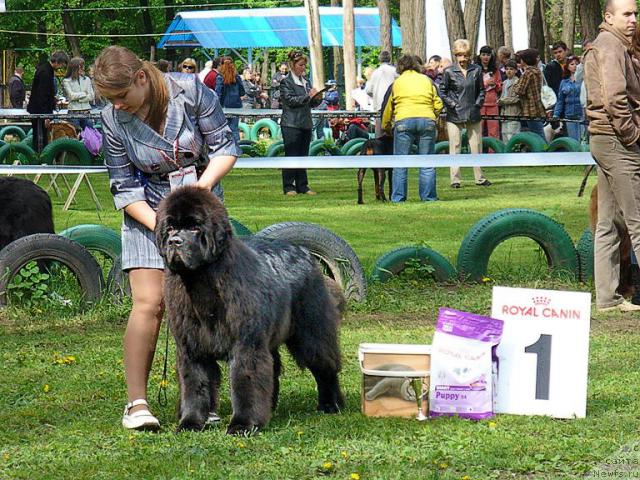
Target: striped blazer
[{"x": 138, "y": 158}]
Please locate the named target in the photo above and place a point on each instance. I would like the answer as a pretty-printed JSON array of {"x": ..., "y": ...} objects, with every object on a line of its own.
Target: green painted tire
[
  {"x": 318, "y": 148},
  {"x": 248, "y": 150},
  {"x": 96, "y": 237},
  {"x": 51, "y": 151},
  {"x": 395, "y": 261},
  {"x": 276, "y": 149},
  {"x": 354, "y": 141},
  {"x": 12, "y": 130},
  {"x": 335, "y": 256},
  {"x": 441, "y": 147},
  {"x": 28, "y": 141},
  {"x": 245, "y": 130},
  {"x": 532, "y": 141},
  {"x": 239, "y": 230},
  {"x": 564, "y": 144},
  {"x": 584, "y": 247},
  {"x": 494, "y": 144},
  {"x": 264, "y": 123},
  {"x": 355, "y": 149},
  {"x": 480, "y": 242},
  {"x": 19, "y": 151}
]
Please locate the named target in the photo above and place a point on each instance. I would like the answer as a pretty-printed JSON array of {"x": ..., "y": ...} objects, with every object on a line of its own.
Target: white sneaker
[
  {"x": 212, "y": 419},
  {"x": 624, "y": 306},
  {"x": 141, "y": 419}
]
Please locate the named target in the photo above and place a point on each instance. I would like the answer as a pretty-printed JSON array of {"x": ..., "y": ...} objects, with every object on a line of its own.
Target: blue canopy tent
[{"x": 270, "y": 27}]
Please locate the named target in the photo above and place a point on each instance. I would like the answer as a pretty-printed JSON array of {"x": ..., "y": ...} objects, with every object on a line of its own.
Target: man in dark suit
[
  {"x": 43, "y": 96},
  {"x": 16, "y": 88}
]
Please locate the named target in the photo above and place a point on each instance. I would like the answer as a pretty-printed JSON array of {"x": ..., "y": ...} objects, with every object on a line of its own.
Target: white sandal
[{"x": 140, "y": 420}]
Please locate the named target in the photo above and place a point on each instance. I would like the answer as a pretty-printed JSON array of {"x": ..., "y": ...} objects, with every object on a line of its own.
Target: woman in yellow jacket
[{"x": 412, "y": 106}]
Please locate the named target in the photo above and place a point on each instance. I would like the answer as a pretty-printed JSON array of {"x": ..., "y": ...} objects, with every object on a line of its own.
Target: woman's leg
[
  {"x": 402, "y": 141},
  {"x": 302, "y": 182},
  {"x": 141, "y": 334},
  {"x": 290, "y": 137},
  {"x": 474, "y": 130},
  {"x": 427, "y": 175},
  {"x": 454, "y": 133}
]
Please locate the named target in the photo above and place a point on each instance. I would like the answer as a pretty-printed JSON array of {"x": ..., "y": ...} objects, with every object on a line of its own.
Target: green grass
[{"x": 60, "y": 416}]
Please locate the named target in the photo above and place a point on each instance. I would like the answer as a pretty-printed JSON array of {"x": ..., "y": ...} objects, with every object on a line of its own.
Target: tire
[
  {"x": 354, "y": 141},
  {"x": 322, "y": 146},
  {"x": 247, "y": 142},
  {"x": 395, "y": 261},
  {"x": 276, "y": 149},
  {"x": 118, "y": 281},
  {"x": 584, "y": 248},
  {"x": 51, "y": 151},
  {"x": 239, "y": 230},
  {"x": 19, "y": 151},
  {"x": 264, "y": 123},
  {"x": 248, "y": 150},
  {"x": 28, "y": 141},
  {"x": 492, "y": 143},
  {"x": 441, "y": 147},
  {"x": 48, "y": 246},
  {"x": 335, "y": 255},
  {"x": 245, "y": 130},
  {"x": 96, "y": 237},
  {"x": 355, "y": 149},
  {"x": 531, "y": 140},
  {"x": 12, "y": 130},
  {"x": 564, "y": 144},
  {"x": 488, "y": 233}
]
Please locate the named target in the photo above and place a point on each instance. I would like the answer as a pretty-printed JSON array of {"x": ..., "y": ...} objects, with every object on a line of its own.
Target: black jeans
[
  {"x": 40, "y": 134},
  {"x": 296, "y": 144}
]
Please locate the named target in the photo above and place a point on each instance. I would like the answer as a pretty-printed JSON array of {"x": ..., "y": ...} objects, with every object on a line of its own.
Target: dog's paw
[
  {"x": 241, "y": 429},
  {"x": 191, "y": 423},
  {"x": 332, "y": 407}
]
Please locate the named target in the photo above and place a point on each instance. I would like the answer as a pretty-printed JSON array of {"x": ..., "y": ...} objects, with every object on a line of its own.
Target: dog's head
[{"x": 192, "y": 229}]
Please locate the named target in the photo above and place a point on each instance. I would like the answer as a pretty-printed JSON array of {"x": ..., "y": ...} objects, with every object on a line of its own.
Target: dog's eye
[{"x": 194, "y": 229}]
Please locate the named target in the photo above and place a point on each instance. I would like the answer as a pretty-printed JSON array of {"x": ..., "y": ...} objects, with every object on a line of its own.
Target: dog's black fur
[
  {"x": 25, "y": 209},
  {"x": 378, "y": 146},
  {"x": 239, "y": 300}
]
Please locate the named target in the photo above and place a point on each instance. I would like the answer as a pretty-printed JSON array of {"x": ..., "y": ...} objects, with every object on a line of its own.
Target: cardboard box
[{"x": 391, "y": 375}]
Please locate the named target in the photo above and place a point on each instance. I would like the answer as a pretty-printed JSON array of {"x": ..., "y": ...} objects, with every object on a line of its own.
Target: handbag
[{"x": 547, "y": 95}]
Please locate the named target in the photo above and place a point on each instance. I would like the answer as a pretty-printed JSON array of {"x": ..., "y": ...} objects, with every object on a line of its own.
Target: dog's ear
[
  {"x": 160, "y": 232},
  {"x": 223, "y": 234}
]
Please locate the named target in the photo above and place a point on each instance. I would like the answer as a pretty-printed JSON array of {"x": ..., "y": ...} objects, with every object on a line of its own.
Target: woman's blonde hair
[
  {"x": 115, "y": 70},
  {"x": 461, "y": 45},
  {"x": 191, "y": 62}
]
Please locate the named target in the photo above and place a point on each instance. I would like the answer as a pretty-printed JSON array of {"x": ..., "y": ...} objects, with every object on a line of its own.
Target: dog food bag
[{"x": 464, "y": 365}]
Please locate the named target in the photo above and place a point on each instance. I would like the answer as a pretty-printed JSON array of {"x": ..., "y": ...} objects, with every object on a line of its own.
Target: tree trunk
[
  {"x": 265, "y": 66},
  {"x": 147, "y": 26},
  {"x": 472, "y": 13},
  {"x": 337, "y": 52},
  {"x": 454, "y": 18},
  {"x": 506, "y": 20},
  {"x": 315, "y": 42},
  {"x": 69, "y": 28},
  {"x": 419, "y": 29},
  {"x": 536, "y": 29},
  {"x": 493, "y": 23},
  {"x": 547, "y": 37},
  {"x": 569, "y": 23},
  {"x": 349, "y": 44},
  {"x": 407, "y": 24},
  {"x": 590, "y": 18},
  {"x": 385, "y": 26}
]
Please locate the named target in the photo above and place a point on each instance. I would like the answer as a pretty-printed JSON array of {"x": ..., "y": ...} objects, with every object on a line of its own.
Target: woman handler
[{"x": 159, "y": 131}]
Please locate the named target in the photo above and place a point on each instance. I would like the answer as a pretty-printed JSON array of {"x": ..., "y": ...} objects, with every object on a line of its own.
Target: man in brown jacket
[{"x": 613, "y": 96}]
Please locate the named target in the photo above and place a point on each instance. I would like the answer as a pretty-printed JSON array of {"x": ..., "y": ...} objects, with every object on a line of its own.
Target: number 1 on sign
[{"x": 542, "y": 348}]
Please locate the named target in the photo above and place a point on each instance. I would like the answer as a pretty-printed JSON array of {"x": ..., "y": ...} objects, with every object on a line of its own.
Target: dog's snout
[{"x": 175, "y": 241}]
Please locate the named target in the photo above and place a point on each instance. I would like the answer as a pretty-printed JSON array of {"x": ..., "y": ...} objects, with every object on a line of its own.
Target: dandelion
[
  {"x": 327, "y": 467},
  {"x": 354, "y": 476},
  {"x": 242, "y": 445},
  {"x": 345, "y": 454},
  {"x": 6, "y": 457},
  {"x": 443, "y": 466},
  {"x": 466, "y": 477},
  {"x": 45, "y": 389},
  {"x": 64, "y": 360},
  {"x": 299, "y": 433},
  {"x": 486, "y": 279},
  {"x": 492, "y": 424},
  {"x": 164, "y": 383}
]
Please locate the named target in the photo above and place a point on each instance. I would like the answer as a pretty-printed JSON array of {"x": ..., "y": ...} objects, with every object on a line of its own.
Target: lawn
[{"x": 62, "y": 389}]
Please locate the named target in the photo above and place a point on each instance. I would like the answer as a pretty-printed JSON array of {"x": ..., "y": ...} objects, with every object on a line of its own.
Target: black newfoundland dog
[
  {"x": 239, "y": 300},
  {"x": 25, "y": 209}
]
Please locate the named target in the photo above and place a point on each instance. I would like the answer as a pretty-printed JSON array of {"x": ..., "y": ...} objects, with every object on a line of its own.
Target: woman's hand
[{"x": 312, "y": 92}]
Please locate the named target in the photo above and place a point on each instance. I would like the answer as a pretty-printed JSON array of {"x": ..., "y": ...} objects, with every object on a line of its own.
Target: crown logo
[{"x": 542, "y": 301}]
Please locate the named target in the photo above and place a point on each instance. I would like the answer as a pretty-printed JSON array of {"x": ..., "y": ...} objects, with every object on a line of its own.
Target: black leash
[
  {"x": 162, "y": 391},
  {"x": 583, "y": 184}
]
